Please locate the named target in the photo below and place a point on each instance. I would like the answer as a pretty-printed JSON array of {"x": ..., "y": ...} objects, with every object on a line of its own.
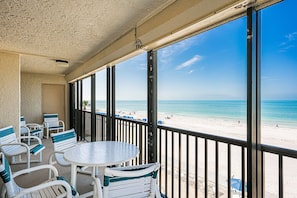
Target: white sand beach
[{"x": 273, "y": 134}]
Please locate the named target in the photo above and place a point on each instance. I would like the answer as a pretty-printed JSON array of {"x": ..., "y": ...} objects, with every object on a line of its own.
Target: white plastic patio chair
[
  {"x": 54, "y": 187},
  {"x": 12, "y": 147},
  {"x": 30, "y": 129},
  {"x": 62, "y": 142},
  {"x": 51, "y": 122},
  {"x": 130, "y": 181}
]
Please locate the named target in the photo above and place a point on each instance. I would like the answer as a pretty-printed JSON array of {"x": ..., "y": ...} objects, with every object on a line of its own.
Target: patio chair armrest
[
  {"x": 97, "y": 187},
  {"x": 46, "y": 185},
  {"x": 26, "y": 131},
  {"x": 140, "y": 170},
  {"x": 36, "y": 168},
  {"x": 27, "y": 137},
  {"x": 62, "y": 122},
  {"x": 26, "y": 127},
  {"x": 52, "y": 156}
]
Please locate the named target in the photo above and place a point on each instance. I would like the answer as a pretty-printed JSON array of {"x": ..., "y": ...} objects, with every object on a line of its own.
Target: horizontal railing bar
[
  {"x": 189, "y": 132},
  {"x": 279, "y": 151},
  {"x": 206, "y": 136}
]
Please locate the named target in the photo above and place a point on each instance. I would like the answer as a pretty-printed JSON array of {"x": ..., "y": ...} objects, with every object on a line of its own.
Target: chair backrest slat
[
  {"x": 8, "y": 136},
  {"x": 64, "y": 140},
  {"x": 51, "y": 119},
  {"x": 6, "y": 131},
  {"x": 139, "y": 186},
  {"x": 63, "y": 136},
  {"x": 133, "y": 181}
]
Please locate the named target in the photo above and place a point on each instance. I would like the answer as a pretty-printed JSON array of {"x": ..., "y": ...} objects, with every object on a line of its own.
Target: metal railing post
[
  {"x": 108, "y": 101},
  {"x": 113, "y": 103},
  {"x": 93, "y": 107}
]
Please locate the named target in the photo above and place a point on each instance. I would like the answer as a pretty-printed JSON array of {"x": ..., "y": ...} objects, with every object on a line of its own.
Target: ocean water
[{"x": 281, "y": 112}]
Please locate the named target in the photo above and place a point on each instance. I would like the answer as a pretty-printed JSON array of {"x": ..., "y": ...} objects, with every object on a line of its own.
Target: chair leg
[
  {"x": 28, "y": 159},
  {"x": 29, "y": 139},
  {"x": 40, "y": 156},
  {"x": 94, "y": 172},
  {"x": 50, "y": 171},
  {"x": 14, "y": 160},
  {"x": 3, "y": 192},
  {"x": 47, "y": 133}
]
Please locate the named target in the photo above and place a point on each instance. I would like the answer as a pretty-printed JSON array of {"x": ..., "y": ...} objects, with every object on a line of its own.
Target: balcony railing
[{"x": 195, "y": 164}]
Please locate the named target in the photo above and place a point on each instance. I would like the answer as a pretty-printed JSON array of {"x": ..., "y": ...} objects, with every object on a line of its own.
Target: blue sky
[
  {"x": 279, "y": 51},
  {"x": 212, "y": 65}
]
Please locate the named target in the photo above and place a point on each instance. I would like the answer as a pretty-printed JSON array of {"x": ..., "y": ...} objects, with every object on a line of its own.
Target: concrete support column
[{"x": 10, "y": 91}]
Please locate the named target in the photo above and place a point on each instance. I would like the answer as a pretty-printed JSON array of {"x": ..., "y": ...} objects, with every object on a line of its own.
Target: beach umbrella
[{"x": 236, "y": 184}]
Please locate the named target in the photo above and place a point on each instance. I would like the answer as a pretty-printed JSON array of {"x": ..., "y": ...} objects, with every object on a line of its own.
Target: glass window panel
[
  {"x": 86, "y": 101},
  {"x": 279, "y": 93},
  {"x": 131, "y": 87},
  {"x": 202, "y": 81},
  {"x": 278, "y": 75},
  {"x": 101, "y": 91}
]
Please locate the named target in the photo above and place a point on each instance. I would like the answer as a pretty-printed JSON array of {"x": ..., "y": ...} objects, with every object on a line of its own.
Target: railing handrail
[
  {"x": 278, "y": 150},
  {"x": 205, "y": 136}
]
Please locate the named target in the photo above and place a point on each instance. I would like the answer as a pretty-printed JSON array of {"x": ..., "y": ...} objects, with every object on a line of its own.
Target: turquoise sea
[{"x": 281, "y": 112}]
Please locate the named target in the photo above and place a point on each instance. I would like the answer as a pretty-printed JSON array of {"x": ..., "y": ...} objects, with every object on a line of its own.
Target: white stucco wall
[
  {"x": 31, "y": 95},
  {"x": 10, "y": 90}
]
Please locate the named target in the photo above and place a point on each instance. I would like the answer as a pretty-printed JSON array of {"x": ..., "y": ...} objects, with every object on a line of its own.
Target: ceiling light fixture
[{"x": 62, "y": 63}]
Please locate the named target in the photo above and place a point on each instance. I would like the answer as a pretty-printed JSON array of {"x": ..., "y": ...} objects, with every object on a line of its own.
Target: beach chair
[
  {"x": 55, "y": 186},
  {"x": 129, "y": 181},
  {"x": 51, "y": 122},
  {"x": 30, "y": 129},
  {"x": 62, "y": 142},
  {"x": 13, "y": 147}
]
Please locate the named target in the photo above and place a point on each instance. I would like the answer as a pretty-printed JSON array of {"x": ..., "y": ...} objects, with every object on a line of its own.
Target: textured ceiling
[{"x": 73, "y": 30}]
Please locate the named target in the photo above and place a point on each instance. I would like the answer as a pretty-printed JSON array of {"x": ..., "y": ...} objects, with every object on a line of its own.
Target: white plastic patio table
[{"x": 99, "y": 154}]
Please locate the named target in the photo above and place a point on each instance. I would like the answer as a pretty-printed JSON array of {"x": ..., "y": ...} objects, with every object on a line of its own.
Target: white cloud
[
  {"x": 142, "y": 66},
  {"x": 287, "y": 44},
  {"x": 175, "y": 48},
  {"x": 190, "y": 62},
  {"x": 292, "y": 36},
  {"x": 181, "y": 46}
]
